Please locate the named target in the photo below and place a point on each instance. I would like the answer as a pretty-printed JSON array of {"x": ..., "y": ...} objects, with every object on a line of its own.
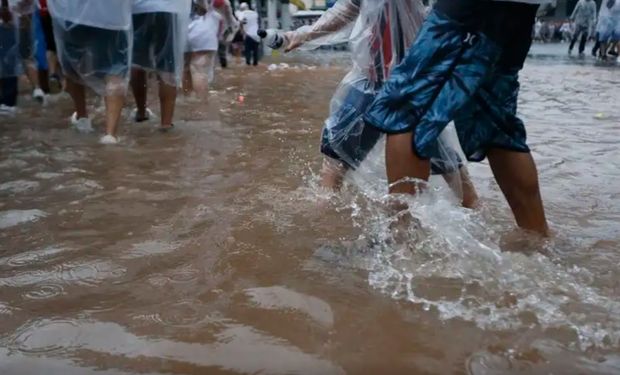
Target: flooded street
[{"x": 210, "y": 249}]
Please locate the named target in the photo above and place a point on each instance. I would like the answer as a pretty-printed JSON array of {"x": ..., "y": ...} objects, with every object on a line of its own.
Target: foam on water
[{"x": 453, "y": 262}]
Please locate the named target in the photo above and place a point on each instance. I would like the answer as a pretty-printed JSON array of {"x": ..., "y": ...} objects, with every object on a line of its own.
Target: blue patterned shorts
[
  {"x": 347, "y": 139},
  {"x": 452, "y": 74}
]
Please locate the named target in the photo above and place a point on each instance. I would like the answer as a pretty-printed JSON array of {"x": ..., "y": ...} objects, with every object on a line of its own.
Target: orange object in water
[{"x": 241, "y": 98}]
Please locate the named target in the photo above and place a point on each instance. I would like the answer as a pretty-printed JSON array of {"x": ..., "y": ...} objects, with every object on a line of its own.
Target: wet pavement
[{"x": 210, "y": 250}]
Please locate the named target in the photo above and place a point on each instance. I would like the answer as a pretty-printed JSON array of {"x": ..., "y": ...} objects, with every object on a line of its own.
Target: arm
[
  {"x": 335, "y": 19},
  {"x": 577, "y": 9},
  {"x": 593, "y": 18}
]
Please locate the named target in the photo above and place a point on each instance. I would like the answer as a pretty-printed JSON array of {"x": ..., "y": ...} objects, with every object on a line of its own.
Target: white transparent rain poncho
[
  {"x": 379, "y": 33},
  {"x": 94, "y": 40},
  {"x": 160, "y": 37},
  {"x": 608, "y": 26},
  {"x": 17, "y": 43}
]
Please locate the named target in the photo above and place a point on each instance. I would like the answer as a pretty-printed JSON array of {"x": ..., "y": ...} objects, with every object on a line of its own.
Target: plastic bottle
[{"x": 274, "y": 39}]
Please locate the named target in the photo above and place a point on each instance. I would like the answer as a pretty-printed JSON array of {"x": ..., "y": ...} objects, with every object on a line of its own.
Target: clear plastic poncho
[
  {"x": 158, "y": 38},
  {"x": 17, "y": 42},
  {"x": 379, "y": 34},
  {"x": 94, "y": 39},
  {"x": 608, "y": 26}
]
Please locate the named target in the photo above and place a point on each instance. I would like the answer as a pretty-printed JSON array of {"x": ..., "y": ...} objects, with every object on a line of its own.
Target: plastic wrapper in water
[
  {"x": 94, "y": 39},
  {"x": 160, "y": 37}
]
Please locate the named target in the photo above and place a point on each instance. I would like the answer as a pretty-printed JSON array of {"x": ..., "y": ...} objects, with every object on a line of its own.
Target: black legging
[
  {"x": 583, "y": 32},
  {"x": 251, "y": 51},
  {"x": 8, "y": 91}
]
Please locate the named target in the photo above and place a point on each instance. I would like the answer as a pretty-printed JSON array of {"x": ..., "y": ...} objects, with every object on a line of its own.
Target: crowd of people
[
  {"x": 112, "y": 45},
  {"x": 414, "y": 72},
  {"x": 586, "y": 22}
]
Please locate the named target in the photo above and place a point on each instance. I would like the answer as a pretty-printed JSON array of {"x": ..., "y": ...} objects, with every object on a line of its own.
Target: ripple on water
[
  {"x": 30, "y": 258},
  {"x": 5, "y": 309},
  {"x": 45, "y": 291},
  {"x": 184, "y": 274},
  {"x": 13, "y": 164},
  {"x": 150, "y": 248},
  {"x": 47, "y": 175},
  {"x": 187, "y": 313},
  {"x": 19, "y": 186},
  {"x": 282, "y": 299},
  {"x": 80, "y": 185},
  {"x": 86, "y": 274},
  {"x": 46, "y": 337},
  {"x": 12, "y": 218}
]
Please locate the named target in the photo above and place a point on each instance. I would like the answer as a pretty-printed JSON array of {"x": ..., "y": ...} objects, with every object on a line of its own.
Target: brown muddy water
[{"x": 209, "y": 250}]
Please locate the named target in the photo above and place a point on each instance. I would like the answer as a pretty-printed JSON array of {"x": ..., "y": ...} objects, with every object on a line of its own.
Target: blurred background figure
[
  {"x": 10, "y": 68},
  {"x": 608, "y": 27},
  {"x": 204, "y": 32},
  {"x": 160, "y": 36},
  {"x": 249, "y": 20},
  {"x": 49, "y": 78},
  {"x": 17, "y": 52},
  {"x": 24, "y": 10},
  {"x": 94, "y": 39},
  {"x": 231, "y": 25},
  {"x": 584, "y": 19}
]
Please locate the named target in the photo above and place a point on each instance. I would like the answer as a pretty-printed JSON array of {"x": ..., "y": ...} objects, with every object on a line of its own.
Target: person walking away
[
  {"x": 10, "y": 67},
  {"x": 584, "y": 19},
  {"x": 381, "y": 32},
  {"x": 24, "y": 11},
  {"x": 55, "y": 83},
  {"x": 160, "y": 36},
  {"x": 224, "y": 8},
  {"x": 608, "y": 27},
  {"x": 94, "y": 39},
  {"x": 464, "y": 67},
  {"x": 204, "y": 33},
  {"x": 249, "y": 20}
]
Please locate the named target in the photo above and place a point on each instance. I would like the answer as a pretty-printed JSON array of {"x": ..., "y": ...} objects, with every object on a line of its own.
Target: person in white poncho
[
  {"x": 94, "y": 41},
  {"x": 204, "y": 32},
  {"x": 379, "y": 33},
  {"x": 160, "y": 34}
]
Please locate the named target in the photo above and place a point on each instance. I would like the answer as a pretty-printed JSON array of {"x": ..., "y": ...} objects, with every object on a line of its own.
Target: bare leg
[
  {"x": 470, "y": 195},
  {"x": 52, "y": 62},
  {"x": 139, "y": 89},
  {"x": 114, "y": 101},
  {"x": 462, "y": 186},
  {"x": 332, "y": 174},
  {"x": 32, "y": 73},
  {"x": 200, "y": 66},
  {"x": 78, "y": 95},
  {"x": 402, "y": 163},
  {"x": 167, "y": 102},
  {"x": 187, "y": 75},
  {"x": 516, "y": 174}
]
